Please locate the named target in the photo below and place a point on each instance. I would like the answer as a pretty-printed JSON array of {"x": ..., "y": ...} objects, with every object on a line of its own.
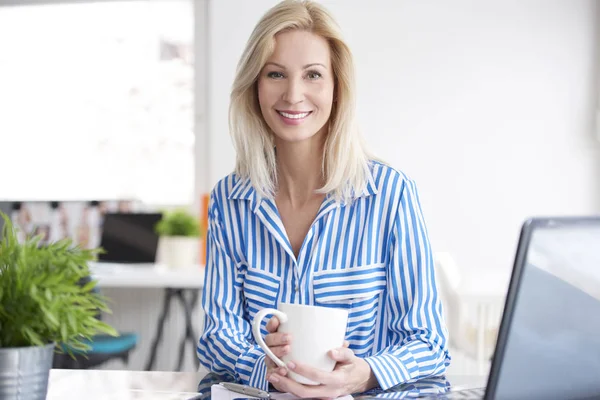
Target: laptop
[
  {"x": 129, "y": 238},
  {"x": 548, "y": 344}
]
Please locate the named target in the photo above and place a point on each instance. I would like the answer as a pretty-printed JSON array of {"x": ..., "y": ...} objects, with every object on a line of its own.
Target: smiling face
[{"x": 296, "y": 86}]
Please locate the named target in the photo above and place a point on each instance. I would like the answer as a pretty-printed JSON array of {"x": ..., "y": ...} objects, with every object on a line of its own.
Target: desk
[
  {"x": 89, "y": 384},
  {"x": 121, "y": 385},
  {"x": 175, "y": 282}
]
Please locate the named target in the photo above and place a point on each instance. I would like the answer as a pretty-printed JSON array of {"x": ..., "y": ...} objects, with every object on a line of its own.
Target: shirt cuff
[
  {"x": 259, "y": 375},
  {"x": 252, "y": 369},
  {"x": 391, "y": 370}
]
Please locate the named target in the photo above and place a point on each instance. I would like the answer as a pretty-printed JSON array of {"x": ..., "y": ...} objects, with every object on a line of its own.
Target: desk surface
[
  {"x": 147, "y": 276},
  {"x": 492, "y": 284},
  {"x": 120, "y": 385},
  {"x": 117, "y": 385}
]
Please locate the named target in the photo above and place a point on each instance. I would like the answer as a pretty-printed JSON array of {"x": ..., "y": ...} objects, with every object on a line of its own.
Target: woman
[{"x": 306, "y": 204}]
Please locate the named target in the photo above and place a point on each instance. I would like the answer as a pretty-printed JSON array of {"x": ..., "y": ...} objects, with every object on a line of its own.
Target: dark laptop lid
[
  {"x": 129, "y": 237},
  {"x": 549, "y": 341}
]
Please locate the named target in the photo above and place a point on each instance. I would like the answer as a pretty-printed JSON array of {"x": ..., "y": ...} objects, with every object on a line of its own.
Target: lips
[
  {"x": 293, "y": 118},
  {"x": 294, "y": 114}
]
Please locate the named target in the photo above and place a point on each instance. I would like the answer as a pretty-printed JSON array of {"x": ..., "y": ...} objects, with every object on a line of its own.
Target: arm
[
  {"x": 226, "y": 345},
  {"x": 416, "y": 325}
]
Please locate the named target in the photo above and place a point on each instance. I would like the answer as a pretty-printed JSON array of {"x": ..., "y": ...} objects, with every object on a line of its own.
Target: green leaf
[
  {"x": 109, "y": 330},
  {"x": 64, "y": 335},
  {"x": 89, "y": 286},
  {"x": 33, "y": 337},
  {"x": 72, "y": 322},
  {"x": 33, "y": 291},
  {"x": 52, "y": 321}
]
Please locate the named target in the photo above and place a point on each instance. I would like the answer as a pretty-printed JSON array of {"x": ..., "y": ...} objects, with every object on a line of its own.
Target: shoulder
[
  {"x": 388, "y": 180},
  {"x": 225, "y": 188}
]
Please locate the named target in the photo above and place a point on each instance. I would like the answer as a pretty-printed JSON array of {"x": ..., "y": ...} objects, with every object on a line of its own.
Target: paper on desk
[{"x": 218, "y": 392}]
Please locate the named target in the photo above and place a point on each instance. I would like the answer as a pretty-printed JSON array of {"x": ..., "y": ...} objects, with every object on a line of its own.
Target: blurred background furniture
[
  {"x": 184, "y": 284},
  {"x": 473, "y": 305}
]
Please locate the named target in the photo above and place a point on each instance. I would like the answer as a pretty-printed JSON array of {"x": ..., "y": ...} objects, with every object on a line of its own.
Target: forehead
[{"x": 298, "y": 48}]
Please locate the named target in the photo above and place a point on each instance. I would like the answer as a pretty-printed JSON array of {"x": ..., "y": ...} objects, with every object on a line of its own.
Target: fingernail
[
  {"x": 291, "y": 365},
  {"x": 273, "y": 378},
  {"x": 335, "y": 352},
  {"x": 282, "y": 371}
]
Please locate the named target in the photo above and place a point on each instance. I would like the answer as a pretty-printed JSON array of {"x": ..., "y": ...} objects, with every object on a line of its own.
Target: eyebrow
[{"x": 305, "y": 67}]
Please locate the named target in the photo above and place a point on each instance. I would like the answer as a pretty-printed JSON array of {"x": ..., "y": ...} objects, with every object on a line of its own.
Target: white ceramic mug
[{"x": 315, "y": 331}]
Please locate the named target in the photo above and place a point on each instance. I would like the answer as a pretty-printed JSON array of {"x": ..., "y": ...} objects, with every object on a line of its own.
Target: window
[{"x": 97, "y": 101}]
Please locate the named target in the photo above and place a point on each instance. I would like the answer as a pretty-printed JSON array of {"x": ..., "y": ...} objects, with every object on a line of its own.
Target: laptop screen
[
  {"x": 129, "y": 237},
  {"x": 553, "y": 348}
]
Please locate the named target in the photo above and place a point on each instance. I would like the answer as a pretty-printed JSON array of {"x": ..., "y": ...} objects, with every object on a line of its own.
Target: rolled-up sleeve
[
  {"x": 418, "y": 334},
  {"x": 226, "y": 344}
]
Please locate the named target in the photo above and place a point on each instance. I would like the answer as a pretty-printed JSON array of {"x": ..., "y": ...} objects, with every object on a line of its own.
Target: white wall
[{"x": 488, "y": 105}]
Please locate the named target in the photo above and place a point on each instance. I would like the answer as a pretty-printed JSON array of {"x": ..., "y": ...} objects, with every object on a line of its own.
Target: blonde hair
[{"x": 345, "y": 160}]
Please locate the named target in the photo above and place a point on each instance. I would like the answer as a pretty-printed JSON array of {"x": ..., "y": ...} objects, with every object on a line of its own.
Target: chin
[{"x": 293, "y": 137}]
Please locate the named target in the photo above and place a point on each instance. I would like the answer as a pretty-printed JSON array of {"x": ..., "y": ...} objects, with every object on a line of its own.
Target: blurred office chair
[
  {"x": 103, "y": 348},
  {"x": 472, "y": 321}
]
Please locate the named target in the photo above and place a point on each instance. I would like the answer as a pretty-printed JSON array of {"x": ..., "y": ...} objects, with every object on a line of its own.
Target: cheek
[
  {"x": 267, "y": 97},
  {"x": 260, "y": 91},
  {"x": 325, "y": 98}
]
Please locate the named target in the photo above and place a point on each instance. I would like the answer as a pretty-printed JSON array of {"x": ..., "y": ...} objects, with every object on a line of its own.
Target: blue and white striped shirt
[{"x": 371, "y": 256}]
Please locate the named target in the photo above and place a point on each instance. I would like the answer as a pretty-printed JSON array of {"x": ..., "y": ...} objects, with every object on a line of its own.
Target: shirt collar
[
  {"x": 371, "y": 188},
  {"x": 243, "y": 189}
]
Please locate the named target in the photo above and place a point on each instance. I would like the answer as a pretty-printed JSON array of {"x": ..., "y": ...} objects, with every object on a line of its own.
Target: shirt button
[{"x": 297, "y": 289}]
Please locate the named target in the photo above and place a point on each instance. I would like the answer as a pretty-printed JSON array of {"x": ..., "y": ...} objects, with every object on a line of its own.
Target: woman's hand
[
  {"x": 279, "y": 343},
  {"x": 350, "y": 375}
]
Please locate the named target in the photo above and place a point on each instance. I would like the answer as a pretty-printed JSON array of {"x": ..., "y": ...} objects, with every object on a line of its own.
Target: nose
[{"x": 294, "y": 91}]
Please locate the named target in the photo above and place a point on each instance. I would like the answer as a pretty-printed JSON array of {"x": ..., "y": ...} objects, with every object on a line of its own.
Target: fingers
[
  {"x": 287, "y": 385},
  {"x": 277, "y": 387},
  {"x": 343, "y": 354},
  {"x": 280, "y": 351},
  {"x": 278, "y": 339},
  {"x": 273, "y": 325},
  {"x": 316, "y": 375},
  {"x": 274, "y": 369}
]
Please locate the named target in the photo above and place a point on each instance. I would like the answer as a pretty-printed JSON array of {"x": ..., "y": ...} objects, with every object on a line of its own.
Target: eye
[
  {"x": 275, "y": 75},
  {"x": 312, "y": 75}
]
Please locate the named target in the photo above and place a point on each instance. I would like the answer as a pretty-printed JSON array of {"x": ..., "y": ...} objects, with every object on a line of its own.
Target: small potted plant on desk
[
  {"x": 44, "y": 307},
  {"x": 179, "y": 233}
]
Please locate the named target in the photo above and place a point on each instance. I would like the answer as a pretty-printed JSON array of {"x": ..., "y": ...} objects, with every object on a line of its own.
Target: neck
[{"x": 299, "y": 172}]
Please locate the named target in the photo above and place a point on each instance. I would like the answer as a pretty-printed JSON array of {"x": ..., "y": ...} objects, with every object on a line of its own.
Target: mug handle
[{"x": 258, "y": 336}]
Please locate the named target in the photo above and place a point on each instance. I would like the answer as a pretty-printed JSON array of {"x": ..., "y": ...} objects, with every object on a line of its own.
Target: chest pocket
[
  {"x": 358, "y": 290},
  {"x": 344, "y": 287},
  {"x": 261, "y": 290}
]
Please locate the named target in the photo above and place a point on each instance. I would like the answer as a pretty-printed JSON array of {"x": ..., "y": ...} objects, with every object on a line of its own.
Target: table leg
[
  {"x": 161, "y": 325},
  {"x": 188, "y": 309}
]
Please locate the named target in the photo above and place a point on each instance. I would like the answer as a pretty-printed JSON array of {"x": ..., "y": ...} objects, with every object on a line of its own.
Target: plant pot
[
  {"x": 180, "y": 251},
  {"x": 24, "y": 372}
]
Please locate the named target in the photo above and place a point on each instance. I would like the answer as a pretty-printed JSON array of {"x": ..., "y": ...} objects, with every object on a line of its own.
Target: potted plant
[
  {"x": 179, "y": 231},
  {"x": 43, "y": 308}
]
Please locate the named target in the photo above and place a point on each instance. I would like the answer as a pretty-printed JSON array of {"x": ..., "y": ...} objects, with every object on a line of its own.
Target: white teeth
[{"x": 293, "y": 116}]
